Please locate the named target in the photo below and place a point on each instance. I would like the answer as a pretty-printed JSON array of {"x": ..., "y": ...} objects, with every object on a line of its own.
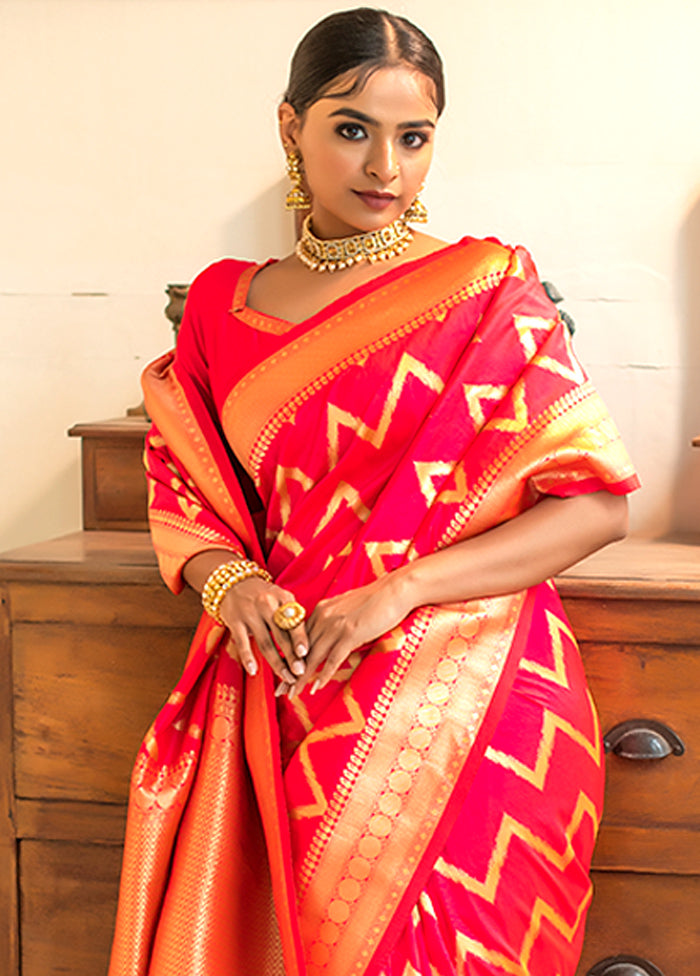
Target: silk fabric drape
[{"x": 391, "y": 819}]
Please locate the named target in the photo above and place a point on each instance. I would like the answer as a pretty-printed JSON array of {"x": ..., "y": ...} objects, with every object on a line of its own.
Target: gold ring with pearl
[{"x": 287, "y": 616}]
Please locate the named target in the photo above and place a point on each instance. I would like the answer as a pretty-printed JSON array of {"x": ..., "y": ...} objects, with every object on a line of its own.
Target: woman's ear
[{"x": 289, "y": 123}]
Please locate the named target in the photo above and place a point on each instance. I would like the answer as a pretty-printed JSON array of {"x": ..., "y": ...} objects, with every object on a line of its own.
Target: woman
[{"x": 382, "y": 757}]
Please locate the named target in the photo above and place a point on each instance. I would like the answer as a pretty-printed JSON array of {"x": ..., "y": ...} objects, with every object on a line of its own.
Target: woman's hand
[
  {"x": 340, "y": 625},
  {"x": 247, "y": 610}
]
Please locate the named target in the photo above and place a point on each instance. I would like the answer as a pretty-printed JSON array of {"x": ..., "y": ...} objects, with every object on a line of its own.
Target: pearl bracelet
[{"x": 223, "y": 579}]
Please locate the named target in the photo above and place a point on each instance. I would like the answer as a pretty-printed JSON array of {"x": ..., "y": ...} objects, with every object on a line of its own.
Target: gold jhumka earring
[
  {"x": 417, "y": 213},
  {"x": 297, "y": 198}
]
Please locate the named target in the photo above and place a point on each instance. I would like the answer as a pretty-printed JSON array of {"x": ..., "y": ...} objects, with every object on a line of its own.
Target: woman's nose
[{"x": 383, "y": 163}]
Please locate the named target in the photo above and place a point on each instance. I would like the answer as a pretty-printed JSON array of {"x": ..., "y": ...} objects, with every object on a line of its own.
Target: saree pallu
[{"x": 432, "y": 810}]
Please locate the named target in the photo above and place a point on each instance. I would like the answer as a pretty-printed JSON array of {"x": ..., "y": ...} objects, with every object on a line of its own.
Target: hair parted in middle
[{"x": 361, "y": 41}]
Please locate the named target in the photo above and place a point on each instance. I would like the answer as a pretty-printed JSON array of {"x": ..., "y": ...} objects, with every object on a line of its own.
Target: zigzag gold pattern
[
  {"x": 470, "y": 947},
  {"x": 377, "y": 550},
  {"x": 408, "y": 366},
  {"x": 551, "y": 724},
  {"x": 437, "y": 312},
  {"x": 476, "y": 394},
  {"x": 508, "y": 830},
  {"x": 410, "y": 971},
  {"x": 355, "y": 724},
  {"x": 425, "y": 902},
  {"x": 572, "y": 371},
  {"x": 541, "y": 910},
  {"x": 332, "y": 557},
  {"x": 557, "y": 675},
  {"x": 289, "y": 542},
  {"x": 302, "y": 713},
  {"x": 525, "y": 325},
  {"x": 479, "y": 490},
  {"x": 282, "y": 478},
  {"x": 345, "y": 493},
  {"x": 426, "y": 471},
  {"x": 190, "y": 509},
  {"x": 522, "y": 417}
]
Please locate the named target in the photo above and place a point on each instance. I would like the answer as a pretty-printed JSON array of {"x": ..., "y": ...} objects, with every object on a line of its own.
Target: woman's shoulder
[
  {"x": 490, "y": 256},
  {"x": 220, "y": 274},
  {"x": 491, "y": 248}
]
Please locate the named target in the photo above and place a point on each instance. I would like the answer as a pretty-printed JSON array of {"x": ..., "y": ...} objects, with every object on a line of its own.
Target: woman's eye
[
  {"x": 414, "y": 140},
  {"x": 351, "y": 130}
]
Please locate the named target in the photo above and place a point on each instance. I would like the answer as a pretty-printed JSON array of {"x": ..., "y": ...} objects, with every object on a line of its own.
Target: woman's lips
[{"x": 376, "y": 201}]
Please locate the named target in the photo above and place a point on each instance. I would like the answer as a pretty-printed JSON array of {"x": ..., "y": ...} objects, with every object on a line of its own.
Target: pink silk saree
[{"x": 432, "y": 810}]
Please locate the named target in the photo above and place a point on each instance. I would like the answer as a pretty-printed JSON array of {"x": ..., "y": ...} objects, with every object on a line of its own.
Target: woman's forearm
[
  {"x": 543, "y": 541},
  {"x": 198, "y": 568}
]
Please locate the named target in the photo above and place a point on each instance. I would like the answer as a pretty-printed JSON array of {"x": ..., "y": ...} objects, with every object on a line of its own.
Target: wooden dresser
[
  {"x": 91, "y": 643},
  {"x": 635, "y": 609}
]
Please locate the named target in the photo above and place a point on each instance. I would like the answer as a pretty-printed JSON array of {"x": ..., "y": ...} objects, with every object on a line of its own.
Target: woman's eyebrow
[{"x": 352, "y": 113}]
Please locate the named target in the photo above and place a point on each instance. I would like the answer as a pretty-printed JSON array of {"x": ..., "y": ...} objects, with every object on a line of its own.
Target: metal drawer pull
[
  {"x": 624, "y": 966},
  {"x": 643, "y": 738}
]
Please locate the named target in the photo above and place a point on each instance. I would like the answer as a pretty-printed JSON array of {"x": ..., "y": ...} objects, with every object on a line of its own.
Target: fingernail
[
  {"x": 288, "y": 676},
  {"x": 315, "y": 686},
  {"x": 292, "y": 692},
  {"x": 280, "y": 690},
  {"x": 297, "y": 667},
  {"x": 301, "y": 650},
  {"x": 252, "y": 668}
]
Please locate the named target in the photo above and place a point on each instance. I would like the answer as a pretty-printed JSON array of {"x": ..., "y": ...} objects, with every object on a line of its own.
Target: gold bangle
[{"x": 223, "y": 579}]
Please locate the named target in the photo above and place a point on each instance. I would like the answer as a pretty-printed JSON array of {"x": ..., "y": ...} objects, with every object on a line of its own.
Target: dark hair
[{"x": 365, "y": 39}]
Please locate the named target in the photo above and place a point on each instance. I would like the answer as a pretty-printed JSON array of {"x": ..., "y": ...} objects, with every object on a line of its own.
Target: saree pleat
[{"x": 419, "y": 814}]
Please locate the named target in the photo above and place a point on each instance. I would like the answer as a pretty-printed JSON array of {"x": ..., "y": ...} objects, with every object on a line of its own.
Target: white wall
[{"x": 139, "y": 143}]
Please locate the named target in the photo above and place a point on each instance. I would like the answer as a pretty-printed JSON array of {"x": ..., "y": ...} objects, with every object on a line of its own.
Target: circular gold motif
[
  {"x": 438, "y": 693},
  {"x": 287, "y": 616},
  {"x": 359, "y": 868},
  {"x": 370, "y": 847},
  {"x": 400, "y": 782},
  {"x": 419, "y": 738},
  {"x": 349, "y": 889},
  {"x": 469, "y": 627},
  {"x": 320, "y": 954},
  {"x": 390, "y": 804},
  {"x": 380, "y": 825},
  {"x": 447, "y": 670},
  {"x": 339, "y": 911},
  {"x": 330, "y": 932},
  {"x": 429, "y": 716},
  {"x": 409, "y": 759},
  {"x": 457, "y": 648}
]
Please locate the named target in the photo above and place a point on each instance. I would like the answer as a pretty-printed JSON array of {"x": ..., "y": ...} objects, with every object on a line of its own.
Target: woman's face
[{"x": 365, "y": 155}]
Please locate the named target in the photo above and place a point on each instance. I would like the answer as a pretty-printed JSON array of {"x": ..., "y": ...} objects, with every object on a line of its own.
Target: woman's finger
[
  {"x": 294, "y": 645},
  {"x": 293, "y": 641},
  {"x": 334, "y": 660},
  {"x": 269, "y": 651},
  {"x": 321, "y": 649},
  {"x": 241, "y": 641}
]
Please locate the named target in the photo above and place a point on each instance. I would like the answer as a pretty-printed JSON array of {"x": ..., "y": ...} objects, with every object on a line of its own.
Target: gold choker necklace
[{"x": 343, "y": 252}]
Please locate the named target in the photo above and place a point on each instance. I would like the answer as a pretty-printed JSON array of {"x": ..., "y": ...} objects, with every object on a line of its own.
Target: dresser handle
[
  {"x": 643, "y": 738},
  {"x": 624, "y": 966}
]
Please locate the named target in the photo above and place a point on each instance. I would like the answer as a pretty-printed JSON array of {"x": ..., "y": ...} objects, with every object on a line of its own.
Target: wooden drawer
[
  {"x": 69, "y": 897},
  {"x": 88, "y": 680},
  {"x": 114, "y": 483},
  {"x": 654, "y": 917},
  {"x": 651, "y": 819},
  {"x": 637, "y": 681}
]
